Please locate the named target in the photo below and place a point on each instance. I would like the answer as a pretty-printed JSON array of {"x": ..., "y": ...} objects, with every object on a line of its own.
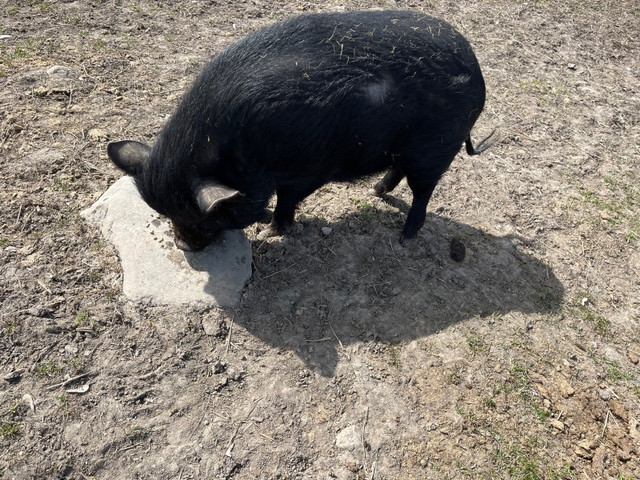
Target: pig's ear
[
  {"x": 129, "y": 156},
  {"x": 209, "y": 194}
]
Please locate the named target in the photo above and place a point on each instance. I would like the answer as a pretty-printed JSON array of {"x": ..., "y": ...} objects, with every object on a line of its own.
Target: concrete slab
[{"x": 155, "y": 271}]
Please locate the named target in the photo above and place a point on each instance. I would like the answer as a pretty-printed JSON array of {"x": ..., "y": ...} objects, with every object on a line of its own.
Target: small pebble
[
  {"x": 59, "y": 70},
  {"x": 350, "y": 438},
  {"x": 326, "y": 230},
  {"x": 605, "y": 394}
]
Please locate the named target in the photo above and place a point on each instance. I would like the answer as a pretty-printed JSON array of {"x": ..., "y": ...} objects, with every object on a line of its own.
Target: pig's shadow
[
  {"x": 227, "y": 261},
  {"x": 359, "y": 285}
]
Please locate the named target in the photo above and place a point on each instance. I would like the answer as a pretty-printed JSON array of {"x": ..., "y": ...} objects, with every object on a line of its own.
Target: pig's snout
[
  {"x": 184, "y": 246},
  {"x": 188, "y": 243}
]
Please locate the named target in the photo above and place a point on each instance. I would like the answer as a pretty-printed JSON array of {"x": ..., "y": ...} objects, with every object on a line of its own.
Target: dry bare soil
[{"x": 348, "y": 357}]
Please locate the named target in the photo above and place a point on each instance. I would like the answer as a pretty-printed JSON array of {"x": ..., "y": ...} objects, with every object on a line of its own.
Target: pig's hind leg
[
  {"x": 417, "y": 213},
  {"x": 422, "y": 177}
]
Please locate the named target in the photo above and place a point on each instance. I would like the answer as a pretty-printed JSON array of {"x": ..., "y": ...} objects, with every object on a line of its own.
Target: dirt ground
[{"x": 349, "y": 356}]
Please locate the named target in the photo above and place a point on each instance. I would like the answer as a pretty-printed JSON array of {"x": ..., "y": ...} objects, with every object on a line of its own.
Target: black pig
[{"x": 313, "y": 99}]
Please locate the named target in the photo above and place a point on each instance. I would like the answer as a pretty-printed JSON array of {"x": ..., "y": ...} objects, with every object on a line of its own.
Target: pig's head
[{"x": 199, "y": 208}]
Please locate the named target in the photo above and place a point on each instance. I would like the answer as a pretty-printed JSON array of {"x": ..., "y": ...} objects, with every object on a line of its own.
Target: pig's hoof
[
  {"x": 266, "y": 233},
  {"x": 274, "y": 231},
  {"x": 406, "y": 242},
  {"x": 378, "y": 191}
]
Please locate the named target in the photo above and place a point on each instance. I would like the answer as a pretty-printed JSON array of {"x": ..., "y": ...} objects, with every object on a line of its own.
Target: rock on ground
[{"x": 155, "y": 271}]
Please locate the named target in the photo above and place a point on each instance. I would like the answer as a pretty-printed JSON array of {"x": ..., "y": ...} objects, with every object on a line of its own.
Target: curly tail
[{"x": 481, "y": 147}]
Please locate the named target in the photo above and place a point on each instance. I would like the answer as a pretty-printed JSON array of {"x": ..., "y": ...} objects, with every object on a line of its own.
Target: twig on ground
[
  {"x": 279, "y": 271},
  {"x": 69, "y": 381},
  {"x": 612, "y": 392},
  {"x": 606, "y": 420},
  {"x": 334, "y": 334},
  {"x": 231, "y": 442}
]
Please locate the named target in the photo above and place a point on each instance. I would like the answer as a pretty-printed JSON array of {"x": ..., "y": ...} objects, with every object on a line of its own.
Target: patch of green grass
[
  {"x": 519, "y": 375},
  {"x": 8, "y": 326},
  {"x": 602, "y": 326},
  {"x": 455, "y": 376},
  {"x": 517, "y": 459},
  {"x": 476, "y": 343},
  {"x": 72, "y": 19},
  {"x": 526, "y": 459},
  {"x": 597, "y": 201},
  {"x": 47, "y": 369},
  {"x": 9, "y": 429},
  {"x": 565, "y": 472},
  {"x": 541, "y": 414},
  {"x": 545, "y": 91},
  {"x": 31, "y": 46},
  {"x": 616, "y": 374},
  {"x": 136, "y": 433},
  {"x": 366, "y": 211},
  {"x": 81, "y": 319},
  {"x": 618, "y": 200},
  {"x": 394, "y": 354},
  {"x": 77, "y": 365},
  {"x": 131, "y": 42},
  {"x": 61, "y": 184},
  {"x": 535, "y": 85},
  {"x": 20, "y": 52},
  {"x": 63, "y": 402},
  {"x": 45, "y": 7},
  {"x": 519, "y": 381},
  {"x": 9, "y": 423},
  {"x": 583, "y": 305},
  {"x": 490, "y": 403}
]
